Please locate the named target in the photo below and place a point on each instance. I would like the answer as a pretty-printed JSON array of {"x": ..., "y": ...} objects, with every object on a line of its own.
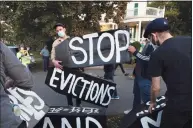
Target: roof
[{"x": 12, "y": 46}]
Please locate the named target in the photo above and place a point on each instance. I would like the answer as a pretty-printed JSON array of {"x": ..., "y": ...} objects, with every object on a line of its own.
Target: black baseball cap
[
  {"x": 59, "y": 24},
  {"x": 157, "y": 25}
]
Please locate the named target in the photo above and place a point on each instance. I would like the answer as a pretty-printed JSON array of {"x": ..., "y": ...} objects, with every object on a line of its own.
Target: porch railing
[{"x": 147, "y": 12}]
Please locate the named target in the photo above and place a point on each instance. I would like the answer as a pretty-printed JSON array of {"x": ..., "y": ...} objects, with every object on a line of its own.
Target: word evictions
[
  {"x": 65, "y": 123},
  {"x": 115, "y": 46},
  {"x": 27, "y": 110},
  {"x": 93, "y": 87}
]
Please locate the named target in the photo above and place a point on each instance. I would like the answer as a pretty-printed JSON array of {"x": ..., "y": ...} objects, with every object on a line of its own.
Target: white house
[
  {"x": 104, "y": 26},
  {"x": 138, "y": 15}
]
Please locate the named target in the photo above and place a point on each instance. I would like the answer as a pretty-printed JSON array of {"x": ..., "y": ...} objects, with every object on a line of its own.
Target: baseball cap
[
  {"x": 59, "y": 24},
  {"x": 157, "y": 25}
]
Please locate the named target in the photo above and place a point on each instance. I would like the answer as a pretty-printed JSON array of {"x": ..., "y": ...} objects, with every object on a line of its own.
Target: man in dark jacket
[{"x": 49, "y": 43}]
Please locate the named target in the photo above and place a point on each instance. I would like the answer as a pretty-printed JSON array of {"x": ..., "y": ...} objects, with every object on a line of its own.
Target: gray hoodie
[{"x": 12, "y": 67}]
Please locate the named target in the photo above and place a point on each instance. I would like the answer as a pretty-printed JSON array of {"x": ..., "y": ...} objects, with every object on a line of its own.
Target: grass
[
  {"x": 38, "y": 58},
  {"x": 114, "y": 121}
]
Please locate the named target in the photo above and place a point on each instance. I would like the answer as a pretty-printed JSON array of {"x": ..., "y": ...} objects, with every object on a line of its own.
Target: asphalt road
[{"x": 124, "y": 87}]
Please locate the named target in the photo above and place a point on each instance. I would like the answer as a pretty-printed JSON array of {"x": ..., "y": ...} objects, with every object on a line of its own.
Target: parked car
[{"x": 14, "y": 49}]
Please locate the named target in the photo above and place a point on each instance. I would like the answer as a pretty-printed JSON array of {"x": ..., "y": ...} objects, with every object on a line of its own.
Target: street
[{"x": 124, "y": 87}]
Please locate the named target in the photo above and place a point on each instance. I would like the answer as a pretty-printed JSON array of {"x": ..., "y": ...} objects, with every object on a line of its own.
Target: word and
[
  {"x": 86, "y": 110},
  {"x": 145, "y": 121},
  {"x": 157, "y": 107},
  {"x": 31, "y": 105},
  {"x": 83, "y": 86},
  {"x": 66, "y": 124},
  {"x": 115, "y": 46}
]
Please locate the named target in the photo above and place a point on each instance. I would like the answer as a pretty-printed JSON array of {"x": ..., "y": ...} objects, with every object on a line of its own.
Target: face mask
[{"x": 61, "y": 34}]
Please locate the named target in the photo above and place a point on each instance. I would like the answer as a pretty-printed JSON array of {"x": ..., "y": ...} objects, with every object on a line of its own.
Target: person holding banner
[
  {"x": 9, "y": 67},
  {"x": 172, "y": 61},
  {"x": 61, "y": 31},
  {"x": 142, "y": 80}
]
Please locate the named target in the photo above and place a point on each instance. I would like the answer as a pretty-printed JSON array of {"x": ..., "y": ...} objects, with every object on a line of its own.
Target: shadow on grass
[{"x": 114, "y": 121}]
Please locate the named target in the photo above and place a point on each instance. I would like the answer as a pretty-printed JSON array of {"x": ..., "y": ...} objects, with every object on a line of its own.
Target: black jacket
[{"x": 143, "y": 59}]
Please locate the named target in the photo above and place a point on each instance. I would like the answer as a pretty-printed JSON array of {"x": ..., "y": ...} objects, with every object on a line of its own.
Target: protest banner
[
  {"x": 95, "y": 49},
  {"x": 31, "y": 108},
  {"x": 74, "y": 117},
  {"x": 81, "y": 85},
  {"x": 141, "y": 118}
]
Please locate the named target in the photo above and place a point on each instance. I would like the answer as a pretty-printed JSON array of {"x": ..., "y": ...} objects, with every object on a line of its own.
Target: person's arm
[
  {"x": 41, "y": 53},
  {"x": 53, "y": 55},
  {"x": 53, "y": 50},
  {"x": 15, "y": 69},
  {"x": 155, "y": 71},
  {"x": 138, "y": 55},
  {"x": 155, "y": 88}
]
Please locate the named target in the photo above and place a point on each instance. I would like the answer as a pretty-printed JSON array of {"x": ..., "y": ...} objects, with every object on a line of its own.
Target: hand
[
  {"x": 9, "y": 84},
  {"x": 131, "y": 49},
  {"x": 152, "y": 105},
  {"x": 57, "y": 64}
]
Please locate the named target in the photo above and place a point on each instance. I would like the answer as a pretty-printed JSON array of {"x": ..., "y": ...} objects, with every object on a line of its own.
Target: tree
[{"x": 35, "y": 20}]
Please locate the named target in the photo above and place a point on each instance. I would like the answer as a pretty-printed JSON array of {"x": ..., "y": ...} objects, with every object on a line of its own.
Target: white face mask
[{"x": 61, "y": 34}]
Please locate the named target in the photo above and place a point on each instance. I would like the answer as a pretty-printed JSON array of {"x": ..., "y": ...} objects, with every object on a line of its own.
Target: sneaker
[
  {"x": 126, "y": 74},
  {"x": 115, "y": 98},
  {"x": 127, "y": 111},
  {"x": 131, "y": 77}
]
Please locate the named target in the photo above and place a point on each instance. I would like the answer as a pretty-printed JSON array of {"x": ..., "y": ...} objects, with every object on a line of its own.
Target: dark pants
[
  {"x": 176, "y": 119},
  {"x": 109, "y": 76},
  {"x": 137, "y": 95},
  {"x": 45, "y": 62},
  {"x": 141, "y": 90},
  {"x": 23, "y": 125},
  {"x": 121, "y": 66},
  {"x": 69, "y": 99}
]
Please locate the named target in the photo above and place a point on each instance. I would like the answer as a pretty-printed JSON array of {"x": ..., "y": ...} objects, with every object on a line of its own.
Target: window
[{"x": 135, "y": 9}]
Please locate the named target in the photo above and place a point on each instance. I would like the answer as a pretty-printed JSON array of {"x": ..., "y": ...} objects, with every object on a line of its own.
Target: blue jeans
[
  {"x": 45, "y": 62},
  {"x": 109, "y": 76},
  {"x": 141, "y": 90}
]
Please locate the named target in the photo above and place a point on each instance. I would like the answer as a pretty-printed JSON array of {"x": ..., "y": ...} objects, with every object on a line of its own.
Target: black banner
[
  {"x": 74, "y": 117},
  {"x": 27, "y": 105},
  {"x": 141, "y": 118},
  {"x": 95, "y": 49},
  {"x": 81, "y": 85}
]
